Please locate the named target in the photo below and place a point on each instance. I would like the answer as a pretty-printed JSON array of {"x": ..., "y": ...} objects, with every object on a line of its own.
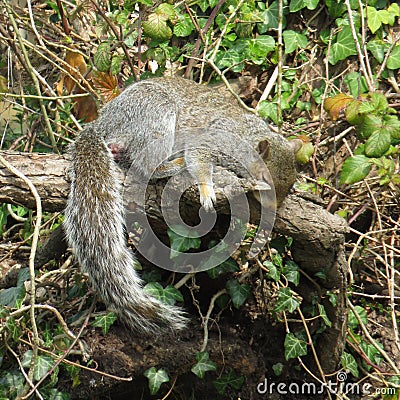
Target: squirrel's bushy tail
[{"x": 94, "y": 228}]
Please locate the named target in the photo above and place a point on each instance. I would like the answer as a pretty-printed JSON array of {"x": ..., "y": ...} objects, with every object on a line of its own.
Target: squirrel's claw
[{"x": 207, "y": 196}]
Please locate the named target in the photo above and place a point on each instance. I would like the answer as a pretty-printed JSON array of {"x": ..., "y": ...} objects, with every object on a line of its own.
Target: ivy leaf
[
  {"x": 268, "y": 109},
  {"x": 349, "y": 364},
  {"x": 378, "y": 48},
  {"x": 373, "y": 19},
  {"x": 271, "y": 18},
  {"x": 105, "y": 321},
  {"x": 156, "y": 378},
  {"x": 102, "y": 57},
  {"x": 203, "y": 364},
  {"x": 154, "y": 289},
  {"x": 182, "y": 241},
  {"x": 43, "y": 364},
  {"x": 294, "y": 40},
  {"x": 297, "y": 5},
  {"x": 184, "y": 27},
  {"x": 286, "y": 301},
  {"x": 355, "y": 169},
  {"x": 356, "y": 83},
  {"x": 353, "y": 321},
  {"x": 13, "y": 296},
  {"x": 294, "y": 347},
  {"x": 172, "y": 295},
  {"x": 238, "y": 292},
  {"x": 229, "y": 379},
  {"x": 343, "y": 47},
  {"x": 291, "y": 272},
  {"x": 393, "y": 61},
  {"x": 273, "y": 271},
  {"x": 323, "y": 315},
  {"x": 230, "y": 265}
]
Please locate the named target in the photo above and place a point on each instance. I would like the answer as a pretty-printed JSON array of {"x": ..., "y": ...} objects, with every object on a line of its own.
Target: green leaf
[
  {"x": 166, "y": 10},
  {"x": 343, "y": 47},
  {"x": 392, "y": 124},
  {"x": 230, "y": 265},
  {"x": 373, "y": 19},
  {"x": 105, "y": 321},
  {"x": 286, "y": 301},
  {"x": 378, "y": 48},
  {"x": 291, "y": 272},
  {"x": 349, "y": 364},
  {"x": 203, "y": 364},
  {"x": 294, "y": 347},
  {"x": 169, "y": 295},
  {"x": 393, "y": 61},
  {"x": 116, "y": 64},
  {"x": 156, "y": 27},
  {"x": 356, "y": 83},
  {"x": 371, "y": 123},
  {"x": 43, "y": 364},
  {"x": 184, "y": 27},
  {"x": 352, "y": 321},
  {"x": 378, "y": 143},
  {"x": 297, "y": 5},
  {"x": 55, "y": 394},
  {"x": 156, "y": 378},
  {"x": 355, "y": 169},
  {"x": 182, "y": 240},
  {"x": 238, "y": 292},
  {"x": 271, "y": 18},
  {"x": 293, "y": 41},
  {"x": 102, "y": 57},
  {"x": 273, "y": 271},
  {"x": 229, "y": 379},
  {"x": 336, "y": 8},
  {"x": 172, "y": 295},
  {"x": 322, "y": 314},
  {"x": 278, "y": 368},
  {"x": 268, "y": 109}
]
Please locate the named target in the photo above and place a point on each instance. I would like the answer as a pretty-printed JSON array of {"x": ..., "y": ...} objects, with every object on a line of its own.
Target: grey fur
[{"x": 149, "y": 121}]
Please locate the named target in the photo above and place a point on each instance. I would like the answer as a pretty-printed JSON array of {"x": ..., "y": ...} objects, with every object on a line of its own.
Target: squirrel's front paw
[{"x": 207, "y": 196}]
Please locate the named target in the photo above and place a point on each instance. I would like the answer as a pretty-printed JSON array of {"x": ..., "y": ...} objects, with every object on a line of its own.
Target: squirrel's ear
[{"x": 263, "y": 149}]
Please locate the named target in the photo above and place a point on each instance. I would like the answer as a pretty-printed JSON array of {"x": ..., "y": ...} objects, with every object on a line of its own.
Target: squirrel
[{"x": 142, "y": 126}]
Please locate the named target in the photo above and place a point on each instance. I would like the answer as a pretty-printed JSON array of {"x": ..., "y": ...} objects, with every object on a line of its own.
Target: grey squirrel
[{"x": 142, "y": 126}]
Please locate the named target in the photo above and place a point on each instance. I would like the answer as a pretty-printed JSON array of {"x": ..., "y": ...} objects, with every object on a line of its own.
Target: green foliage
[
  {"x": 287, "y": 300},
  {"x": 105, "y": 321},
  {"x": 156, "y": 378},
  {"x": 203, "y": 364},
  {"x": 228, "y": 379},
  {"x": 294, "y": 347},
  {"x": 239, "y": 292},
  {"x": 182, "y": 240},
  {"x": 13, "y": 296},
  {"x": 378, "y": 129},
  {"x": 169, "y": 295},
  {"x": 43, "y": 364},
  {"x": 349, "y": 364}
]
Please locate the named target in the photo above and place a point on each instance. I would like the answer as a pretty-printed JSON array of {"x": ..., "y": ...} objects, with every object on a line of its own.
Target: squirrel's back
[{"x": 142, "y": 126}]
